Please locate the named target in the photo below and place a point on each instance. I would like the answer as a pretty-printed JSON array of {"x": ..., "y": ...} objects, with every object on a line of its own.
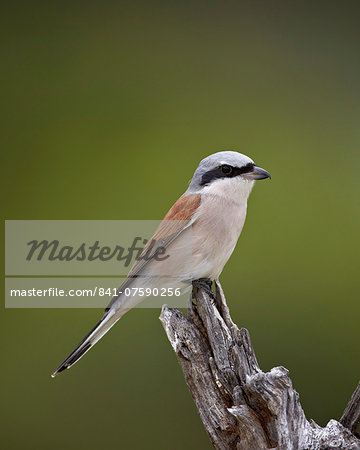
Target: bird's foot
[{"x": 205, "y": 284}]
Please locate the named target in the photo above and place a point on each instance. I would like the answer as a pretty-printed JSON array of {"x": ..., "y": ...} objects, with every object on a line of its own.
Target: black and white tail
[{"x": 109, "y": 319}]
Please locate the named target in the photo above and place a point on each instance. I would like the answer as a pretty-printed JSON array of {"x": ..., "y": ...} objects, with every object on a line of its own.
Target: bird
[{"x": 199, "y": 233}]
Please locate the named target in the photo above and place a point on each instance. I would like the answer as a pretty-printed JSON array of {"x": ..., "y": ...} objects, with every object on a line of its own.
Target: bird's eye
[{"x": 226, "y": 169}]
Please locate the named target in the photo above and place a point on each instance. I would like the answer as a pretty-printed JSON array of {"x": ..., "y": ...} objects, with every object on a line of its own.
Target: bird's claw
[{"x": 205, "y": 284}]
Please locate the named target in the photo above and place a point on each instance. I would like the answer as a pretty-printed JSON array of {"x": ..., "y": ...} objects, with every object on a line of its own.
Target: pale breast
[{"x": 215, "y": 233}]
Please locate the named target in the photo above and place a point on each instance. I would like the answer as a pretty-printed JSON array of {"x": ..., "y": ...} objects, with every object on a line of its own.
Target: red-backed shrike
[{"x": 199, "y": 233}]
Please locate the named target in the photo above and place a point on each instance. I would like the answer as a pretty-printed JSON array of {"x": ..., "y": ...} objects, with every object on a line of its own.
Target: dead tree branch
[
  {"x": 240, "y": 406},
  {"x": 351, "y": 417}
]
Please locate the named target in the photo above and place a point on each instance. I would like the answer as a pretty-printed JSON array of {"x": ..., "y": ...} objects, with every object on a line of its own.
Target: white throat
[{"x": 236, "y": 190}]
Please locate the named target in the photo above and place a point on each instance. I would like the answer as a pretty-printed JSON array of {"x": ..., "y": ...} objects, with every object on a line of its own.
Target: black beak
[{"x": 257, "y": 173}]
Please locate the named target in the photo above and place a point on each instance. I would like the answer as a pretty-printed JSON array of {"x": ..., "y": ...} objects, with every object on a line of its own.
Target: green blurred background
[{"x": 107, "y": 108}]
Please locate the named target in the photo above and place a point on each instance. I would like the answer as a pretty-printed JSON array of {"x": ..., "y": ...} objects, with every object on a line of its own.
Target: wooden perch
[
  {"x": 240, "y": 406},
  {"x": 351, "y": 417}
]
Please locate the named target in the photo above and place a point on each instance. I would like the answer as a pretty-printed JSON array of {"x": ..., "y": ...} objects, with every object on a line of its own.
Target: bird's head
[{"x": 227, "y": 173}]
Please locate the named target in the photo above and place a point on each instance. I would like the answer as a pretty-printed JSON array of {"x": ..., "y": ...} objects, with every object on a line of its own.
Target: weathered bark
[
  {"x": 240, "y": 406},
  {"x": 351, "y": 417}
]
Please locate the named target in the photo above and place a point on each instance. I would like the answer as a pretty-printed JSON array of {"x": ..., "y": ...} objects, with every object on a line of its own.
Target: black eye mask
[{"x": 225, "y": 171}]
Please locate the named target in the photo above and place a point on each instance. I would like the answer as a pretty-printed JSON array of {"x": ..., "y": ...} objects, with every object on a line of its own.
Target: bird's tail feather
[{"x": 108, "y": 320}]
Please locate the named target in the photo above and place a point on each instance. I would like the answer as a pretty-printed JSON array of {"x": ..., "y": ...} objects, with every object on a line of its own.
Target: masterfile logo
[{"x": 73, "y": 263}]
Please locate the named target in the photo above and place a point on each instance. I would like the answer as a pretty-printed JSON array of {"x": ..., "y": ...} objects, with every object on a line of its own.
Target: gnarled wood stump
[{"x": 240, "y": 406}]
